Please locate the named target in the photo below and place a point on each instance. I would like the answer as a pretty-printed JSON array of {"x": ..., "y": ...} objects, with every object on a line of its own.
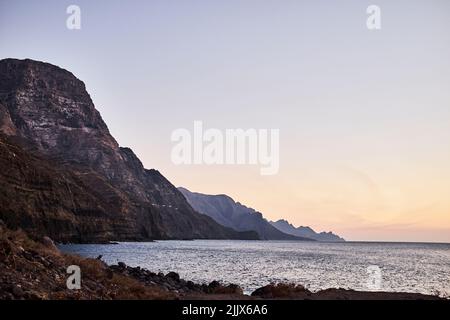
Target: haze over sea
[{"x": 405, "y": 267}]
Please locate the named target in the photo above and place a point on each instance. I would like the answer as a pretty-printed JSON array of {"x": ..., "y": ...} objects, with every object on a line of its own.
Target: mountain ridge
[
  {"x": 46, "y": 112},
  {"x": 287, "y": 227},
  {"x": 227, "y": 212}
]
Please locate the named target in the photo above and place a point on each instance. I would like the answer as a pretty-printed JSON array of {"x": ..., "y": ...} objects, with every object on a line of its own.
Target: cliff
[{"x": 64, "y": 175}]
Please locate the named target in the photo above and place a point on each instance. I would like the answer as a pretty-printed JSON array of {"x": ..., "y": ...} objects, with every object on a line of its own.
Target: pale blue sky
[{"x": 345, "y": 99}]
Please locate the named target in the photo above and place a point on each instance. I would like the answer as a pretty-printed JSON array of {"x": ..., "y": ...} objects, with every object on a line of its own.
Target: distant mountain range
[
  {"x": 306, "y": 232},
  {"x": 224, "y": 210}
]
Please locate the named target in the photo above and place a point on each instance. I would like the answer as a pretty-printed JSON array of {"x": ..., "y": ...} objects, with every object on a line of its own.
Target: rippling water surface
[{"x": 408, "y": 267}]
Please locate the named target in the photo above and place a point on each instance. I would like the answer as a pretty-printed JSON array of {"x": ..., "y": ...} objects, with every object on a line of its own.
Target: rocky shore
[{"x": 36, "y": 269}]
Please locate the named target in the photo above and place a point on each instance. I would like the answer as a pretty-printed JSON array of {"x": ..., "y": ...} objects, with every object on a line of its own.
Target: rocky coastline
[{"x": 37, "y": 270}]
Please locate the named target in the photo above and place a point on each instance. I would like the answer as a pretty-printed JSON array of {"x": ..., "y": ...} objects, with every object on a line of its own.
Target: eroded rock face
[{"x": 47, "y": 116}]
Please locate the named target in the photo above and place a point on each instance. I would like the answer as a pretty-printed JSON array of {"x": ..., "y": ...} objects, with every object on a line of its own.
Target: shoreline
[
  {"x": 34, "y": 270},
  {"x": 189, "y": 290},
  {"x": 115, "y": 242}
]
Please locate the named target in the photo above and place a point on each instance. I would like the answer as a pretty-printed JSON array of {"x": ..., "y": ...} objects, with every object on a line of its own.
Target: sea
[{"x": 369, "y": 266}]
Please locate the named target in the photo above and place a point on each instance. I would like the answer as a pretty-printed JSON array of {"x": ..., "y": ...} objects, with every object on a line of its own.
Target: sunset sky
[{"x": 364, "y": 115}]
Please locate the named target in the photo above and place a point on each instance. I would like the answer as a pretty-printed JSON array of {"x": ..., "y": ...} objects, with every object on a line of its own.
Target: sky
[{"x": 363, "y": 115}]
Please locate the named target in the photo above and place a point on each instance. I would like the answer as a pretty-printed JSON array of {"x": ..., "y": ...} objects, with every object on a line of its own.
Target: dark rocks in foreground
[
  {"x": 214, "y": 290},
  {"x": 171, "y": 282},
  {"x": 298, "y": 292}
]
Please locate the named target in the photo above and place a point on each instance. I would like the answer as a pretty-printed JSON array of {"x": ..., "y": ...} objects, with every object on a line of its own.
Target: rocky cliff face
[
  {"x": 48, "y": 118},
  {"x": 229, "y": 213}
]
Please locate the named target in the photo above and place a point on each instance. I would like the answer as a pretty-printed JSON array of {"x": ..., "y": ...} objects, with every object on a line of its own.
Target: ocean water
[{"x": 407, "y": 267}]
